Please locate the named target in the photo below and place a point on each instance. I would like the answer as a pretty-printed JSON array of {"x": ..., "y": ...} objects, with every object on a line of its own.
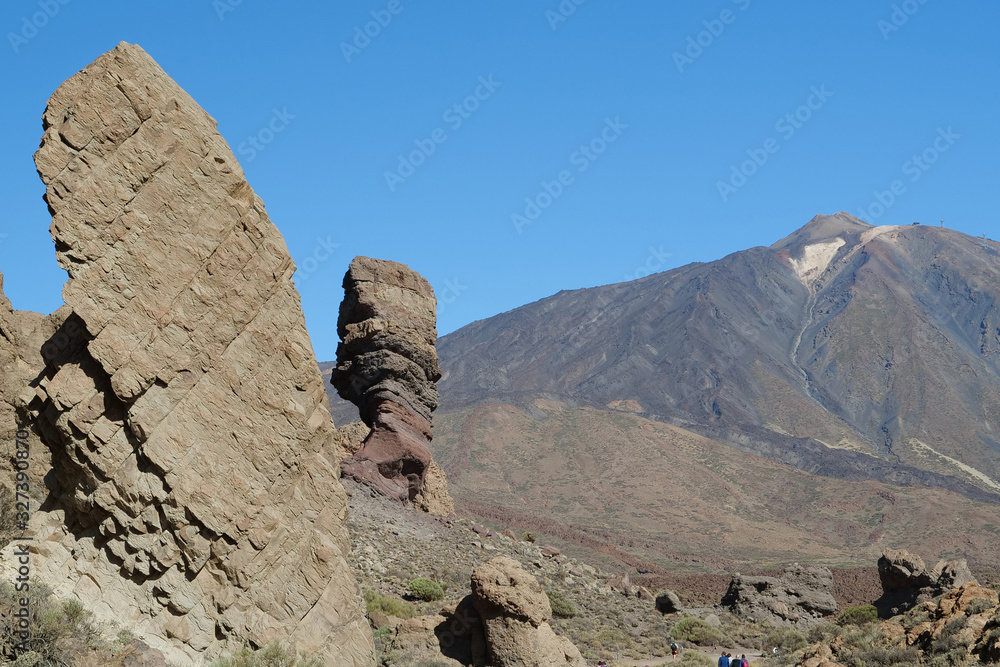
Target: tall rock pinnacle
[
  {"x": 387, "y": 365},
  {"x": 198, "y": 500}
]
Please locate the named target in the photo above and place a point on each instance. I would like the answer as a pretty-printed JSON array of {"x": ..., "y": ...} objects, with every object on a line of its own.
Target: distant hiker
[
  {"x": 673, "y": 649},
  {"x": 724, "y": 660}
]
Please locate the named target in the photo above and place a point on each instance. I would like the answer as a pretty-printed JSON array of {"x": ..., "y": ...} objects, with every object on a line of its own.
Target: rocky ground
[{"x": 615, "y": 619}]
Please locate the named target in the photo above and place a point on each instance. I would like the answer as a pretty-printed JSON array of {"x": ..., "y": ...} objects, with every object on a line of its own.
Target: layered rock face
[
  {"x": 197, "y": 499},
  {"x": 801, "y": 597},
  {"x": 387, "y": 365},
  {"x": 515, "y": 612}
]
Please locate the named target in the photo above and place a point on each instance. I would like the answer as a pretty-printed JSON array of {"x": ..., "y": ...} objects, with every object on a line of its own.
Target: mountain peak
[{"x": 823, "y": 228}]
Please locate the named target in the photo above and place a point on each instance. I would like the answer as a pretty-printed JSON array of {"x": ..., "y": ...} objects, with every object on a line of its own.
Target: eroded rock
[
  {"x": 907, "y": 581},
  {"x": 196, "y": 496},
  {"x": 515, "y": 611},
  {"x": 801, "y": 597},
  {"x": 387, "y": 365}
]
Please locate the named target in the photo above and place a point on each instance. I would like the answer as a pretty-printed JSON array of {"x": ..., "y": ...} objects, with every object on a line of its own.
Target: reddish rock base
[{"x": 394, "y": 456}]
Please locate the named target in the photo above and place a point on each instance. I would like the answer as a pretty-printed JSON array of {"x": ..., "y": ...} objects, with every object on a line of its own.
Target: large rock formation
[
  {"x": 195, "y": 498},
  {"x": 503, "y": 623},
  {"x": 515, "y": 612},
  {"x": 801, "y": 597},
  {"x": 387, "y": 365},
  {"x": 906, "y": 580}
]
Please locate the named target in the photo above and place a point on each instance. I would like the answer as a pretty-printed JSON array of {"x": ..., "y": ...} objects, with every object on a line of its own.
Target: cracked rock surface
[{"x": 196, "y": 493}]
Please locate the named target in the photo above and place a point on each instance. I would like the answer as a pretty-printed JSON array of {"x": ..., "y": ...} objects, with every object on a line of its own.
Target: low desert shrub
[
  {"x": 695, "y": 658},
  {"x": 873, "y": 656},
  {"x": 426, "y": 589},
  {"x": 561, "y": 605},
  {"x": 979, "y": 605},
  {"x": 858, "y": 615},
  {"x": 378, "y": 603},
  {"x": 528, "y": 536},
  {"x": 787, "y": 640},
  {"x": 272, "y": 655},
  {"x": 54, "y": 628},
  {"x": 697, "y": 631}
]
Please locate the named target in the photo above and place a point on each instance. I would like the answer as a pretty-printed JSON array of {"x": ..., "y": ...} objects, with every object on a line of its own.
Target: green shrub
[
  {"x": 272, "y": 655},
  {"x": 561, "y": 605},
  {"x": 858, "y": 615},
  {"x": 696, "y": 658},
  {"x": 528, "y": 536},
  {"x": 978, "y": 606},
  {"x": 873, "y": 656},
  {"x": 426, "y": 589},
  {"x": 789, "y": 640},
  {"x": 383, "y": 604},
  {"x": 55, "y": 628},
  {"x": 696, "y": 631}
]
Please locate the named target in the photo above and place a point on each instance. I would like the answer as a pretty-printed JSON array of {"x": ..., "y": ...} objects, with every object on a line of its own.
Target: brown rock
[
  {"x": 900, "y": 570},
  {"x": 196, "y": 495},
  {"x": 906, "y": 580},
  {"x": 350, "y": 436},
  {"x": 387, "y": 365},
  {"x": 453, "y": 637},
  {"x": 951, "y": 574},
  {"x": 802, "y": 596},
  {"x": 434, "y": 497},
  {"x": 515, "y": 613}
]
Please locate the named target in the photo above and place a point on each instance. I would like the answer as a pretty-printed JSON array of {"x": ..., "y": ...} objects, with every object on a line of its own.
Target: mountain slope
[
  {"x": 844, "y": 349},
  {"x": 659, "y": 498}
]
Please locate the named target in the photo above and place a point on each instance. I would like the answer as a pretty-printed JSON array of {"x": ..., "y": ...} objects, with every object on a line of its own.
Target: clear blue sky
[{"x": 886, "y": 94}]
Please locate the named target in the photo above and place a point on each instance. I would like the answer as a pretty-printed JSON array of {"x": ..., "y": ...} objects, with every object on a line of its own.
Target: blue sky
[{"x": 621, "y": 137}]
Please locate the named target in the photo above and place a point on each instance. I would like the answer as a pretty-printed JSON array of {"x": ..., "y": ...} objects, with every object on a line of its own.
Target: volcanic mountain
[{"x": 843, "y": 349}]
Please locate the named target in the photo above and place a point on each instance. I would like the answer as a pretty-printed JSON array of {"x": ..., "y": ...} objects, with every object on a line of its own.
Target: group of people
[{"x": 727, "y": 660}]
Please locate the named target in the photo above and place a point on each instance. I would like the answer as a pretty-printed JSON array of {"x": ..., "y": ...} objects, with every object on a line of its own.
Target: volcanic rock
[
  {"x": 195, "y": 495},
  {"x": 907, "y": 581},
  {"x": 387, "y": 365},
  {"x": 801, "y": 597},
  {"x": 515, "y": 612},
  {"x": 668, "y": 602}
]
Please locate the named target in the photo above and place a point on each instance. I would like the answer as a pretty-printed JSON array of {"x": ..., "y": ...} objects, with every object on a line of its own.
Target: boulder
[
  {"x": 387, "y": 365},
  {"x": 906, "y": 580},
  {"x": 453, "y": 636},
  {"x": 195, "y": 496},
  {"x": 801, "y": 597},
  {"x": 899, "y": 570},
  {"x": 668, "y": 602},
  {"x": 515, "y": 612}
]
